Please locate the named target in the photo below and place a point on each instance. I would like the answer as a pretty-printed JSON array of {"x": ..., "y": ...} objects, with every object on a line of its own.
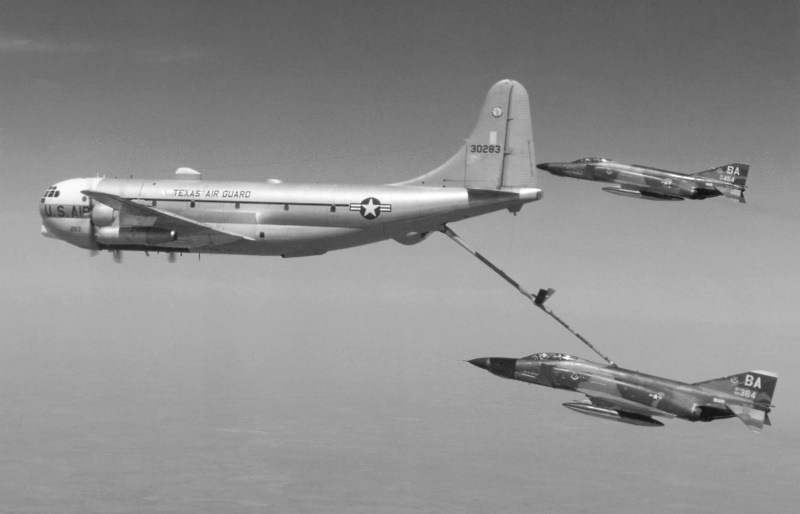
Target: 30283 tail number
[{"x": 484, "y": 148}]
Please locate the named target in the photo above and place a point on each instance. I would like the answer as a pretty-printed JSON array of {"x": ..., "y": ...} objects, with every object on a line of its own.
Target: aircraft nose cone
[
  {"x": 500, "y": 366},
  {"x": 482, "y": 362},
  {"x": 546, "y": 166}
]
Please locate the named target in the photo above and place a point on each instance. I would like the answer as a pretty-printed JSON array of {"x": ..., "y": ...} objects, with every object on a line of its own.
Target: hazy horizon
[{"x": 338, "y": 383}]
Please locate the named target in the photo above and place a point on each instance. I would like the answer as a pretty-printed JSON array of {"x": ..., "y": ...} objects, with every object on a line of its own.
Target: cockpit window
[
  {"x": 51, "y": 192},
  {"x": 551, "y": 357},
  {"x": 591, "y": 160}
]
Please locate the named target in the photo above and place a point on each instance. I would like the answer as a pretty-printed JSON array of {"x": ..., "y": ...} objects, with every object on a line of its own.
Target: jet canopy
[
  {"x": 591, "y": 160},
  {"x": 551, "y": 357}
]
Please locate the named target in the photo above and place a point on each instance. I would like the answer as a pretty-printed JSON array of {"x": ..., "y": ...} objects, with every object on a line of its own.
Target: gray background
[{"x": 337, "y": 383}]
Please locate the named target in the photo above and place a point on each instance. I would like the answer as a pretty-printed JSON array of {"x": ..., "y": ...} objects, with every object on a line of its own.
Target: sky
[{"x": 338, "y": 383}]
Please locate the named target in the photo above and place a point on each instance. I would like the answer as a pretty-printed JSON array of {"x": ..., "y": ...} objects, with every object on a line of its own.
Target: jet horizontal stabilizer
[
  {"x": 733, "y": 193},
  {"x": 753, "y": 418}
]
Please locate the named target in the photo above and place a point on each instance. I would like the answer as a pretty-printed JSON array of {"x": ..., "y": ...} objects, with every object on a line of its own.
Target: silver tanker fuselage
[
  {"x": 493, "y": 170},
  {"x": 277, "y": 218}
]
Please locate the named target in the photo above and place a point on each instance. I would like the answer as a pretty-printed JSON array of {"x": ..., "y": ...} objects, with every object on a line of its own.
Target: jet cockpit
[
  {"x": 551, "y": 357},
  {"x": 591, "y": 160}
]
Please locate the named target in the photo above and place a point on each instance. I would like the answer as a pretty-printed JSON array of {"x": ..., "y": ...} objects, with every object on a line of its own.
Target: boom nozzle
[{"x": 542, "y": 296}]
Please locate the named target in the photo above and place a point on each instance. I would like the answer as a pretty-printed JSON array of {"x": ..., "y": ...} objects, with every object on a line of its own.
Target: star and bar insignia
[{"x": 371, "y": 207}]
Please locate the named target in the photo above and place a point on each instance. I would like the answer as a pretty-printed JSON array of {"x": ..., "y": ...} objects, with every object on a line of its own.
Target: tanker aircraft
[
  {"x": 632, "y": 397},
  {"x": 493, "y": 170},
  {"x": 653, "y": 184}
]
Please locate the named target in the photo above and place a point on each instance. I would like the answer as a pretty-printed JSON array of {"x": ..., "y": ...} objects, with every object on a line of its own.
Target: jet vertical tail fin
[
  {"x": 499, "y": 154},
  {"x": 755, "y": 389},
  {"x": 734, "y": 174},
  {"x": 756, "y": 386}
]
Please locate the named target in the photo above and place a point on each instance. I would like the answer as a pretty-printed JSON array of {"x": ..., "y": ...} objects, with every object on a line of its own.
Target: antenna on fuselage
[{"x": 537, "y": 300}]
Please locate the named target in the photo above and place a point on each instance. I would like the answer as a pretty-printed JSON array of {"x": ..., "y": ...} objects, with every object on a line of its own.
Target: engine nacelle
[
  {"x": 103, "y": 215},
  {"x": 147, "y": 236}
]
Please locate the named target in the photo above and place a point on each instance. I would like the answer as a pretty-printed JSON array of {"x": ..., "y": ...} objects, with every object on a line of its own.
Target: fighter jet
[
  {"x": 648, "y": 183},
  {"x": 493, "y": 170},
  {"x": 632, "y": 397}
]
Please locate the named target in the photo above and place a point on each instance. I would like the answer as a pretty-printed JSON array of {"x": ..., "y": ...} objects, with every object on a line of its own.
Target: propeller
[
  {"x": 171, "y": 257},
  {"x": 117, "y": 256}
]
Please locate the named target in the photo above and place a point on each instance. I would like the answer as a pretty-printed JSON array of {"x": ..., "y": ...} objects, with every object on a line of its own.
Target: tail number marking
[
  {"x": 484, "y": 148},
  {"x": 746, "y": 393}
]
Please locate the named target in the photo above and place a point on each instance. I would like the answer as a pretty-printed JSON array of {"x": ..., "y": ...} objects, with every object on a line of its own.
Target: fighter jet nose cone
[
  {"x": 545, "y": 166},
  {"x": 500, "y": 366},
  {"x": 482, "y": 362}
]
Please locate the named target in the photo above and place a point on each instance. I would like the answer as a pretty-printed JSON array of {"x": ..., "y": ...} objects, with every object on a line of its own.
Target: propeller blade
[
  {"x": 117, "y": 256},
  {"x": 171, "y": 258}
]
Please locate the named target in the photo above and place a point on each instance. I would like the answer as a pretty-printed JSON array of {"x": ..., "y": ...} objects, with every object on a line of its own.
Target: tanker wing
[{"x": 190, "y": 233}]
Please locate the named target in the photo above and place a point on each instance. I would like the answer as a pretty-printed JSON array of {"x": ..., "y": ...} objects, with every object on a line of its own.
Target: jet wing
[
  {"x": 609, "y": 401},
  {"x": 190, "y": 232}
]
